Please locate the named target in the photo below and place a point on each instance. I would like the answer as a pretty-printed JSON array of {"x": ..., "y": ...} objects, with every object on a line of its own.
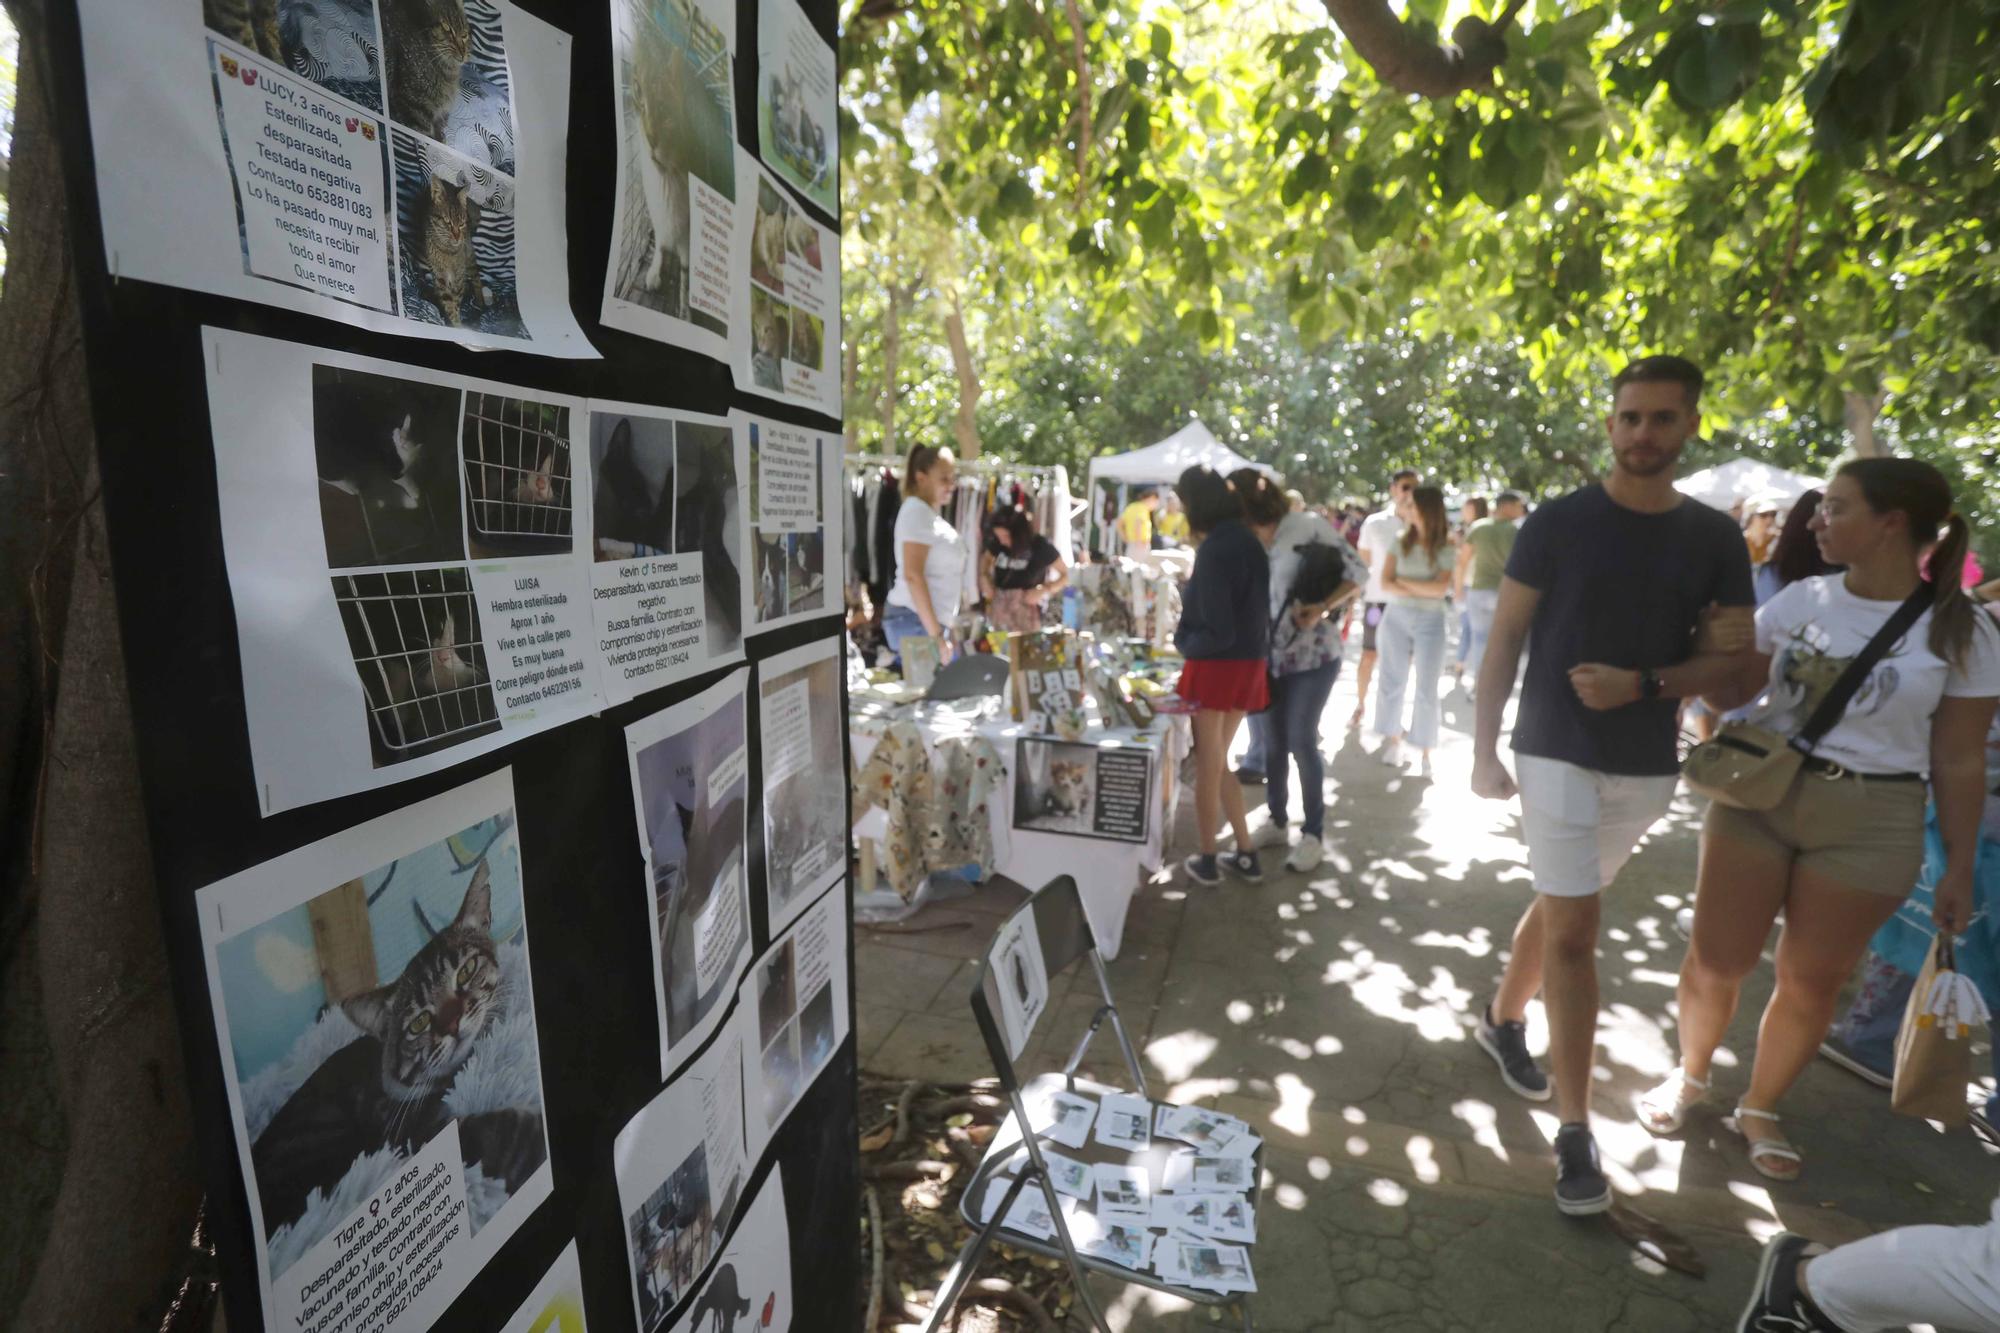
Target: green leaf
[
  {"x": 1162, "y": 41},
  {"x": 1016, "y": 199}
]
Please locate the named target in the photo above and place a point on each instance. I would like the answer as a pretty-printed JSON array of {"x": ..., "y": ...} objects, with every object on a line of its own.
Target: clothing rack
[{"x": 984, "y": 467}]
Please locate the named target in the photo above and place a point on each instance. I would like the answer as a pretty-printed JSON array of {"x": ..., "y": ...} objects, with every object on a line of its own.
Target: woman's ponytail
[
  {"x": 922, "y": 458},
  {"x": 1953, "y": 614}
]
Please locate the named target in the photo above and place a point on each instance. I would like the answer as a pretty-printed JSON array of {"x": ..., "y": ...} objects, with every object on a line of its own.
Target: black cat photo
[
  {"x": 385, "y": 453},
  {"x": 352, "y": 1057},
  {"x": 632, "y": 511}
]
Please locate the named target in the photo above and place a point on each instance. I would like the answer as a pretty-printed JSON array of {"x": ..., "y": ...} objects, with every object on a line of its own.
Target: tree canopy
[{"x": 1799, "y": 194}]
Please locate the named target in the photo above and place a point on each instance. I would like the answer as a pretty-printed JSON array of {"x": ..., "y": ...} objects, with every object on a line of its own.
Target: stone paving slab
[{"x": 1406, "y": 1188}]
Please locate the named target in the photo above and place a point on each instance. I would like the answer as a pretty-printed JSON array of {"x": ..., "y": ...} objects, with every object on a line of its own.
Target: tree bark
[
  {"x": 850, "y": 376},
  {"x": 1861, "y": 412},
  {"x": 97, "y": 1165},
  {"x": 966, "y": 426},
  {"x": 1402, "y": 59}
]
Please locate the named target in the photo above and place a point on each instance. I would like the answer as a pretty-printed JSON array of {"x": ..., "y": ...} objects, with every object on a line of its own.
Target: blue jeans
[
  {"x": 1297, "y": 701},
  {"x": 1411, "y": 641},
  {"x": 900, "y": 623},
  {"x": 1480, "y": 604},
  {"x": 1870, "y": 1025},
  {"x": 1257, "y": 758}
]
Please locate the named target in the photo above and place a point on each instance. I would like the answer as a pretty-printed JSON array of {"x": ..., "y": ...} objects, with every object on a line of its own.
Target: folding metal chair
[{"x": 1065, "y": 936}]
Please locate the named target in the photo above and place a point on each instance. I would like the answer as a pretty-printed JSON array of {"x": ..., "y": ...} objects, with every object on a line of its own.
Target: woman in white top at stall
[
  {"x": 1840, "y": 853},
  {"x": 930, "y": 560}
]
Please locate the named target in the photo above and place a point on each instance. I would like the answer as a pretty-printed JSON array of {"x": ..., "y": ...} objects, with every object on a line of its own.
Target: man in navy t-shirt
[{"x": 1629, "y": 597}]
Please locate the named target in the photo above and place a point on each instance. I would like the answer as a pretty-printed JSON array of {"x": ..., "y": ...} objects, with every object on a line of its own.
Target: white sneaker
[
  {"x": 1271, "y": 835},
  {"x": 1391, "y": 753},
  {"x": 1307, "y": 855}
]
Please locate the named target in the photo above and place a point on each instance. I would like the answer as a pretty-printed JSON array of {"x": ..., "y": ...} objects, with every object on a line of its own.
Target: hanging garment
[
  {"x": 960, "y": 828},
  {"x": 897, "y": 778}
]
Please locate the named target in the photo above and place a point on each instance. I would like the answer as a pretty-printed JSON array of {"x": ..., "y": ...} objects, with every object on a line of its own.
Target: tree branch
[
  {"x": 1081, "y": 63},
  {"x": 1403, "y": 60}
]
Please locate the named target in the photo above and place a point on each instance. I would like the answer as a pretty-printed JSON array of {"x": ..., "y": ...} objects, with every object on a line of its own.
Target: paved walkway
[{"x": 1408, "y": 1191}]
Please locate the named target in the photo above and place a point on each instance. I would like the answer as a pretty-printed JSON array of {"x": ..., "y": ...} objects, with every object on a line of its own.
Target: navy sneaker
[
  {"x": 1581, "y": 1189},
  {"x": 1777, "y": 1303},
  {"x": 1203, "y": 870},
  {"x": 1507, "y": 1043},
  {"x": 1243, "y": 865}
]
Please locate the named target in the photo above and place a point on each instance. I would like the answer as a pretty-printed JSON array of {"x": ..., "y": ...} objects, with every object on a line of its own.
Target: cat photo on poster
[
  {"x": 794, "y": 1015},
  {"x": 455, "y": 222},
  {"x": 674, "y": 61},
  {"x": 797, "y": 129},
  {"x": 803, "y": 742},
  {"x": 378, "y": 1030},
  {"x": 690, "y": 779},
  {"x": 750, "y": 1290},
  {"x": 795, "y": 515}
]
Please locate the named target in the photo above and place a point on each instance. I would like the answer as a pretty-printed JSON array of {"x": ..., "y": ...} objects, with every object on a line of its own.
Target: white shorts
[{"x": 1581, "y": 824}]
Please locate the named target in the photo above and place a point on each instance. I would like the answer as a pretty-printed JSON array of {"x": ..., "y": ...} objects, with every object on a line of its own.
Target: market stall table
[{"x": 1118, "y": 835}]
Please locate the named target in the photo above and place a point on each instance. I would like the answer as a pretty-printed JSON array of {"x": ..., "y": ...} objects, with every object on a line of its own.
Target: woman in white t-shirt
[
  {"x": 1838, "y": 855},
  {"x": 930, "y": 560}
]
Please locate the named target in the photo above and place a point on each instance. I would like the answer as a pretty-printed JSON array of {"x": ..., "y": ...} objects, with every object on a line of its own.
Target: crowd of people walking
[{"x": 1837, "y": 628}]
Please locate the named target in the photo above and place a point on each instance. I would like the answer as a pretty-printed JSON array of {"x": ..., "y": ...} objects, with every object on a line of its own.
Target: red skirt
[{"x": 1226, "y": 685}]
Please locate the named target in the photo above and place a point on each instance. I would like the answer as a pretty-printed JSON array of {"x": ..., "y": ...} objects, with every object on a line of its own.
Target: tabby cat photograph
[
  {"x": 329, "y": 43},
  {"x": 676, "y": 128},
  {"x": 365, "y": 1021},
  {"x": 455, "y": 228},
  {"x": 388, "y": 487},
  {"x": 447, "y": 76}
]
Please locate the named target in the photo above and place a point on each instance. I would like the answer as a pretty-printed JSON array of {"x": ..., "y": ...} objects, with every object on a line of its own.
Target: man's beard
[{"x": 1662, "y": 460}]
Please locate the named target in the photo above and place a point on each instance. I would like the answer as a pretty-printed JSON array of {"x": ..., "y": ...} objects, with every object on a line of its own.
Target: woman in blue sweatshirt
[{"x": 1225, "y": 636}]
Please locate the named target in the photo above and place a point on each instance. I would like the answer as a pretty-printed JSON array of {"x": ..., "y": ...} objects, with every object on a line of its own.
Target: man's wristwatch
[{"x": 1650, "y": 683}]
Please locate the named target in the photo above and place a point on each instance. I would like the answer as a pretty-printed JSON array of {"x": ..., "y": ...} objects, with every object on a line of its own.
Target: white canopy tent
[
  {"x": 1742, "y": 479},
  {"x": 1162, "y": 464}
]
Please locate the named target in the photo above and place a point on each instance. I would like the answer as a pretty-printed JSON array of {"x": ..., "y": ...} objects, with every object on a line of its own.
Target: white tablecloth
[{"x": 1107, "y": 872}]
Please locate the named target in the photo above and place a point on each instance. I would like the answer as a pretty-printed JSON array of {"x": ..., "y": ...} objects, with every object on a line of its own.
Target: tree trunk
[
  {"x": 1403, "y": 60},
  {"x": 850, "y": 375},
  {"x": 892, "y": 348},
  {"x": 966, "y": 427},
  {"x": 98, "y": 1165},
  {"x": 1862, "y": 410}
]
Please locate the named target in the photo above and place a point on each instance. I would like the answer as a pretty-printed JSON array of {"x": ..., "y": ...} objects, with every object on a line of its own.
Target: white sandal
[
  {"x": 1664, "y": 1110},
  {"x": 1761, "y": 1149}
]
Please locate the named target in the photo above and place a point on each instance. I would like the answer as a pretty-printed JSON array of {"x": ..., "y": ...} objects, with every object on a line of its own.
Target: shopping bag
[{"x": 1934, "y": 1047}]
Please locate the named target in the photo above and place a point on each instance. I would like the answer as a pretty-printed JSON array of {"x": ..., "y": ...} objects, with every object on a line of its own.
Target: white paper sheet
[
  {"x": 403, "y": 559},
  {"x": 690, "y": 787},
  {"x": 337, "y": 973},
  {"x": 1070, "y": 1176},
  {"x": 1124, "y": 1190},
  {"x": 784, "y": 332},
  {"x": 1125, "y": 1121},
  {"x": 805, "y": 803},
  {"x": 299, "y": 165},
  {"x": 672, "y": 271},
  {"x": 793, "y": 1015},
  {"x": 1064, "y": 1118},
  {"x": 751, "y": 1287},
  {"x": 796, "y": 529},
  {"x": 667, "y": 543},
  {"x": 680, "y": 1165},
  {"x": 556, "y": 1306},
  {"x": 797, "y": 129},
  {"x": 1021, "y": 976},
  {"x": 1190, "y": 1173}
]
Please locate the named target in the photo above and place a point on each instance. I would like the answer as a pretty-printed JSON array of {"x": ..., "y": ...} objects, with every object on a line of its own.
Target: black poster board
[{"x": 581, "y": 867}]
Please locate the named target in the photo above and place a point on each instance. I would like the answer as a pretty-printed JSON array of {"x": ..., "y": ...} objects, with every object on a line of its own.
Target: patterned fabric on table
[
  {"x": 897, "y": 777},
  {"x": 959, "y": 831},
  {"x": 1009, "y": 609}
]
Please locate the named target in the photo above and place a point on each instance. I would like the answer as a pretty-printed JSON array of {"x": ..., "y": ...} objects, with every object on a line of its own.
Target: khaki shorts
[{"x": 1865, "y": 835}]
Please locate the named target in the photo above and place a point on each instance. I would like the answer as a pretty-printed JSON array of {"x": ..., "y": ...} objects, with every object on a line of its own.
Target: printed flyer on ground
[
  {"x": 376, "y": 1015},
  {"x": 793, "y": 1014},
  {"x": 751, "y": 1288},
  {"x": 557, "y": 1303},
  {"x": 787, "y": 346},
  {"x": 393, "y": 164},
  {"x": 797, "y": 133},
  {"x": 674, "y": 232},
  {"x": 403, "y": 554},
  {"x": 666, "y": 544},
  {"x": 691, "y": 785},
  {"x": 680, "y": 1165},
  {"x": 795, "y": 513},
  {"x": 805, "y": 813}
]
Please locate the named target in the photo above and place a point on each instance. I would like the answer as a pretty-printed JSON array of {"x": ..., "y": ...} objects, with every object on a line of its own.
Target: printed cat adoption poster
[
  {"x": 798, "y": 131},
  {"x": 691, "y": 785},
  {"x": 793, "y": 1014},
  {"x": 802, "y": 731},
  {"x": 406, "y": 560},
  {"x": 376, "y": 1015},
  {"x": 280, "y": 151},
  {"x": 785, "y": 340},
  {"x": 556, "y": 1306},
  {"x": 671, "y": 275},
  {"x": 666, "y": 545},
  {"x": 750, "y": 1290},
  {"x": 795, "y": 513}
]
